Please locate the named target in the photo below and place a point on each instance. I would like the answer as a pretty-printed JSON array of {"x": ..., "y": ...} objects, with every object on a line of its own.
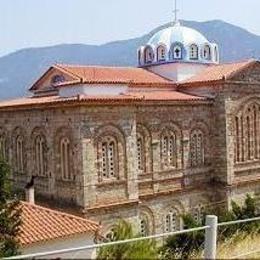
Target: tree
[
  {"x": 145, "y": 249},
  {"x": 9, "y": 214}
]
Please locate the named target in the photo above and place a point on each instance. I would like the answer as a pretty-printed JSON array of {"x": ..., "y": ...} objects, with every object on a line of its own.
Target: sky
[{"x": 35, "y": 23}]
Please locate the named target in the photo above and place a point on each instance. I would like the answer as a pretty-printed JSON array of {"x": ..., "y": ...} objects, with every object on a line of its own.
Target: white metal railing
[
  {"x": 69, "y": 250},
  {"x": 238, "y": 221},
  {"x": 210, "y": 246}
]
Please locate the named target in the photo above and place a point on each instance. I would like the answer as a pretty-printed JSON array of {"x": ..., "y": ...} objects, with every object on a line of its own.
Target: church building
[{"x": 174, "y": 135}]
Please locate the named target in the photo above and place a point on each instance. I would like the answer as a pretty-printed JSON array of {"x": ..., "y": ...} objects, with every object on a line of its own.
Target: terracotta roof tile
[
  {"x": 123, "y": 75},
  {"x": 156, "y": 95},
  {"x": 42, "y": 224},
  {"x": 218, "y": 72}
]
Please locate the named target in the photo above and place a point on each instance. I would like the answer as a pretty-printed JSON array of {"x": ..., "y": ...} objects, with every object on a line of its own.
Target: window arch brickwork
[
  {"x": 170, "y": 147},
  {"x": 110, "y": 150},
  {"x": 197, "y": 148},
  {"x": 146, "y": 221},
  {"x": 144, "y": 149},
  {"x": 3, "y": 144},
  {"x": 39, "y": 150},
  {"x": 246, "y": 133},
  {"x": 19, "y": 150},
  {"x": 64, "y": 154},
  {"x": 172, "y": 220}
]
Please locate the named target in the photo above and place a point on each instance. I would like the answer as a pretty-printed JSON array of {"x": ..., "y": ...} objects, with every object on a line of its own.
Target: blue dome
[
  {"x": 177, "y": 33},
  {"x": 178, "y": 43}
]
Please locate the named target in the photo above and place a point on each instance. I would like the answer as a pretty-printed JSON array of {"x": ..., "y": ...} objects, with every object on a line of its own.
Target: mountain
[{"x": 18, "y": 70}]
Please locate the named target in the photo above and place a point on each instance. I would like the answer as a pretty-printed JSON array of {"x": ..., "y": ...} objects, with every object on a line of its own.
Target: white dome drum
[{"x": 178, "y": 44}]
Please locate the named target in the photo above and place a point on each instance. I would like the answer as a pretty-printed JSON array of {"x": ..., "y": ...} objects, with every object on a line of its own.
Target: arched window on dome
[
  {"x": 139, "y": 56},
  {"x": 161, "y": 53},
  {"x": 207, "y": 52},
  {"x": 194, "y": 52},
  {"x": 148, "y": 54},
  {"x": 216, "y": 54},
  {"x": 177, "y": 52}
]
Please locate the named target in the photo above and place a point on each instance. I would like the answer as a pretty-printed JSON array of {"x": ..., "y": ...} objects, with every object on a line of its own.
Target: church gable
[
  {"x": 249, "y": 73},
  {"x": 53, "y": 77}
]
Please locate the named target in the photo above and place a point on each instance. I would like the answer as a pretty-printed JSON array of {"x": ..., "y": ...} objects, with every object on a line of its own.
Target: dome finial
[{"x": 175, "y": 11}]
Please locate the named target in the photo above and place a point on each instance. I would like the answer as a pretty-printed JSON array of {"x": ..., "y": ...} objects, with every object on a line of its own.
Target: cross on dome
[
  {"x": 178, "y": 44},
  {"x": 175, "y": 11}
]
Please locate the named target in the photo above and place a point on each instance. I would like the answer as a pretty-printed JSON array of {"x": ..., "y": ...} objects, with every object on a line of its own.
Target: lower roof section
[{"x": 131, "y": 97}]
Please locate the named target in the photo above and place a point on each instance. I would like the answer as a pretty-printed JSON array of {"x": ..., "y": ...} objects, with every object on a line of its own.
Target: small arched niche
[
  {"x": 207, "y": 52},
  {"x": 161, "y": 53},
  {"x": 194, "y": 52},
  {"x": 177, "y": 51},
  {"x": 148, "y": 54}
]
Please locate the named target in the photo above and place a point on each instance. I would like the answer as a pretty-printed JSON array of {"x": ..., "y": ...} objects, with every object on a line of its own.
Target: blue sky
[{"x": 33, "y": 23}]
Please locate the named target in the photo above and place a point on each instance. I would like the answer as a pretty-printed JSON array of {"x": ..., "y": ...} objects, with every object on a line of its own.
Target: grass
[{"x": 236, "y": 247}]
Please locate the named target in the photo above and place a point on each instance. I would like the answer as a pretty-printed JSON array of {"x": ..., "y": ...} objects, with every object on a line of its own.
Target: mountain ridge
[{"x": 19, "y": 69}]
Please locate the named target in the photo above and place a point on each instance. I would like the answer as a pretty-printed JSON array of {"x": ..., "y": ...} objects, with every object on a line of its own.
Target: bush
[
  {"x": 185, "y": 245},
  {"x": 9, "y": 215},
  {"x": 145, "y": 249}
]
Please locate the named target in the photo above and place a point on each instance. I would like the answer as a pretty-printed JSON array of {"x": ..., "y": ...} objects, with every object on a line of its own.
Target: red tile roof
[
  {"x": 113, "y": 75},
  {"x": 219, "y": 72},
  {"x": 133, "y": 96},
  {"x": 42, "y": 224}
]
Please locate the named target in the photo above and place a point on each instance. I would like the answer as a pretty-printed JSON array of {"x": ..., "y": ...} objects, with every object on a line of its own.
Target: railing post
[{"x": 210, "y": 250}]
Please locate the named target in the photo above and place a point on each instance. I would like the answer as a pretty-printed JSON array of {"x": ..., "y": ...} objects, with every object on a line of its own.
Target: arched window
[
  {"x": 237, "y": 131},
  {"x": 57, "y": 79},
  {"x": 198, "y": 214},
  {"x": 65, "y": 158},
  {"x": 177, "y": 52},
  {"x": 109, "y": 161},
  {"x": 172, "y": 221},
  {"x": 3, "y": 147},
  {"x": 248, "y": 127},
  {"x": 19, "y": 153},
  {"x": 139, "y": 57},
  {"x": 246, "y": 134},
  {"x": 140, "y": 153},
  {"x": 255, "y": 132},
  {"x": 40, "y": 158},
  {"x": 216, "y": 54},
  {"x": 148, "y": 54},
  {"x": 207, "y": 52},
  {"x": 197, "y": 148},
  {"x": 161, "y": 53},
  {"x": 168, "y": 149},
  {"x": 194, "y": 52},
  {"x": 144, "y": 226}
]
